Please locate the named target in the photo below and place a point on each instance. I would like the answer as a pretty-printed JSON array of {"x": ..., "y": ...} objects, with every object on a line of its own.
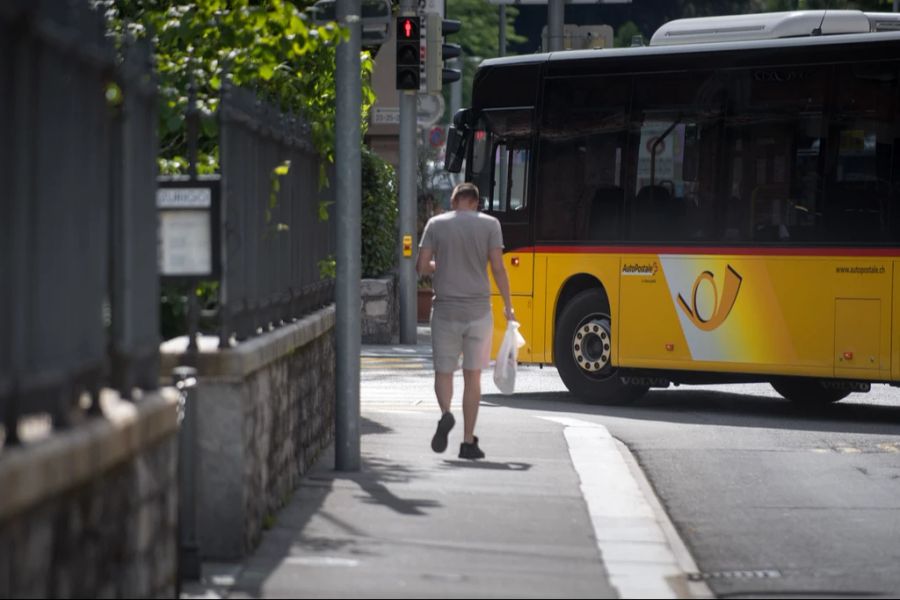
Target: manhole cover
[{"x": 749, "y": 574}]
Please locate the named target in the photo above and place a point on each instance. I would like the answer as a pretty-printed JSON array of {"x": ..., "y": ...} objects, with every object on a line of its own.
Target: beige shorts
[{"x": 472, "y": 339}]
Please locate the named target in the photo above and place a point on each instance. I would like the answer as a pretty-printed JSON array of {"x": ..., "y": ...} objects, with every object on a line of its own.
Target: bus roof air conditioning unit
[
  {"x": 763, "y": 26},
  {"x": 884, "y": 21}
]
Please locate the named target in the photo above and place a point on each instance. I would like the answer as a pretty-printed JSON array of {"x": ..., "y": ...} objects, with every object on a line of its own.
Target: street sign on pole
[
  {"x": 375, "y": 18},
  {"x": 436, "y": 137},
  {"x": 429, "y": 109}
]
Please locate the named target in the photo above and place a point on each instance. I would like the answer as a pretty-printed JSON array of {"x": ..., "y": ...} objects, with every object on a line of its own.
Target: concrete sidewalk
[{"x": 411, "y": 523}]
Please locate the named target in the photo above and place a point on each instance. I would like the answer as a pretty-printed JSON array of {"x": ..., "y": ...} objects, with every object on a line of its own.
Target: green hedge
[{"x": 379, "y": 215}]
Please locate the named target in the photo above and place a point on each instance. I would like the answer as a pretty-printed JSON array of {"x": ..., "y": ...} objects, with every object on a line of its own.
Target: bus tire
[
  {"x": 582, "y": 351},
  {"x": 808, "y": 392}
]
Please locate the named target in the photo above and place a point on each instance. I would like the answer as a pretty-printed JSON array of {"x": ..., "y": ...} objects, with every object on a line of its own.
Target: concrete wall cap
[
  {"x": 31, "y": 473},
  {"x": 248, "y": 356}
]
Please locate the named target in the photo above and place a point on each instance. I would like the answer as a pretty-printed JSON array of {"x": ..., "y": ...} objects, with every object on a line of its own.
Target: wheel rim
[{"x": 591, "y": 344}]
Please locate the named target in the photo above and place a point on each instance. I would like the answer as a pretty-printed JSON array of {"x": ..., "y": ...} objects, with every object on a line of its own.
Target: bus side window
[
  {"x": 863, "y": 128},
  {"x": 776, "y": 132},
  {"x": 481, "y": 165},
  {"x": 499, "y": 188},
  {"x": 582, "y": 157},
  {"x": 672, "y": 190},
  {"x": 508, "y": 194},
  {"x": 518, "y": 171}
]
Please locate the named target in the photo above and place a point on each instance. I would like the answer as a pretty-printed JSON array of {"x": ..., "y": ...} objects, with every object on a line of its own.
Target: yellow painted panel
[
  {"x": 727, "y": 313},
  {"x": 895, "y": 333},
  {"x": 524, "y": 308},
  {"x": 520, "y": 270},
  {"x": 856, "y": 335},
  {"x": 562, "y": 267},
  {"x": 539, "y": 332},
  {"x": 649, "y": 327}
]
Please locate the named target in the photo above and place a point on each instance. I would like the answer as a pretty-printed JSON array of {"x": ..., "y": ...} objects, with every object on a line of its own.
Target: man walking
[{"x": 456, "y": 248}]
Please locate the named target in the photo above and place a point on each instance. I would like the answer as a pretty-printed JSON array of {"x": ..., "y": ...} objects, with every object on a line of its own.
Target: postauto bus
[{"x": 722, "y": 205}]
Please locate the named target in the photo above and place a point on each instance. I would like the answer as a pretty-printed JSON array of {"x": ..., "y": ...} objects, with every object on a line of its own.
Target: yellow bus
[{"x": 722, "y": 205}]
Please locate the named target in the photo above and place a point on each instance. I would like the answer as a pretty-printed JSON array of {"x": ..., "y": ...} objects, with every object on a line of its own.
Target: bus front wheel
[
  {"x": 582, "y": 349},
  {"x": 808, "y": 392}
]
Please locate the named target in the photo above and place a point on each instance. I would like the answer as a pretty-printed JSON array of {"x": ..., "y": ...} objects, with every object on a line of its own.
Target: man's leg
[
  {"x": 471, "y": 402},
  {"x": 446, "y": 346},
  {"x": 443, "y": 389},
  {"x": 476, "y": 353}
]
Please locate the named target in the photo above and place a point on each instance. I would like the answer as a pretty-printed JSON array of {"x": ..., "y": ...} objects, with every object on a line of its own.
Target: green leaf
[
  {"x": 283, "y": 168},
  {"x": 113, "y": 94},
  {"x": 323, "y": 209},
  {"x": 267, "y": 71}
]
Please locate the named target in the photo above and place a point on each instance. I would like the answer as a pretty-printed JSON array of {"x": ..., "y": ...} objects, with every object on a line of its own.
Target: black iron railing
[
  {"x": 273, "y": 237},
  {"x": 78, "y": 282}
]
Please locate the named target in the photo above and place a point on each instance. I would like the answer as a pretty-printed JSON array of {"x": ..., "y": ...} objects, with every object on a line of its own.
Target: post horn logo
[{"x": 721, "y": 307}]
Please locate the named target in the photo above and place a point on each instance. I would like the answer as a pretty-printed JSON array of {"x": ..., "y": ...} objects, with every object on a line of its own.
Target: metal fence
[
  {"x": 78, "y": 282},
  {"x": 274, "y": 238}
]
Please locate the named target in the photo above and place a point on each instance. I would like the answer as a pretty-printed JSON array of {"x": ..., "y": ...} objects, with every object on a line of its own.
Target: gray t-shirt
[{"x": 461, "y": 241}]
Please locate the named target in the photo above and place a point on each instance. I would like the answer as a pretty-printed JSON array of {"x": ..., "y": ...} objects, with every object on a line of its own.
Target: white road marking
[{"x": 633, "y": 543}]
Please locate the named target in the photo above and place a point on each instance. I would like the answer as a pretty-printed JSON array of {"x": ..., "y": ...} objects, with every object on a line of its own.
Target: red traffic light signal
[
  {"x": 409, "y": 28},
  {"x": 408, "y": 53}
]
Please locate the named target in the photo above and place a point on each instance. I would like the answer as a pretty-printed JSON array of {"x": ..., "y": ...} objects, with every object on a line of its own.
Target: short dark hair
[{"x": 466, "y": 189}]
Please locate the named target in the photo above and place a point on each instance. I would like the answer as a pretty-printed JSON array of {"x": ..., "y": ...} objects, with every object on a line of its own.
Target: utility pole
[
  {"x": 556, "y": 16},
  {"x": 456, "y": 89},
  {"x": 456, "y": 86},
  {"x": 502, "y": 40},
  {"x": 348, "y": 189},
  {"x": 407, "y": 203}
]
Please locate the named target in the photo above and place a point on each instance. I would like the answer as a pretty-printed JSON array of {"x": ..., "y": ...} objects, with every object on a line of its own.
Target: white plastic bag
[{"x": 508, "y": 358}]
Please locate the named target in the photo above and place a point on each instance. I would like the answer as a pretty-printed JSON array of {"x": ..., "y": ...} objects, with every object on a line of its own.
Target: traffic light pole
[
  {"x": 502, "y": 41},
  {"x": 407, "y": 204},
  {"x": 348, "y": 190},
  {"x": 556, "y": 17}
]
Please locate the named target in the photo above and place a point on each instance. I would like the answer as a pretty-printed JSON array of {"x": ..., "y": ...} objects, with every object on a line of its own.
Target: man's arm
[
  {"x": 498, "y": 269},
  {"x": 424, "y": 263}
]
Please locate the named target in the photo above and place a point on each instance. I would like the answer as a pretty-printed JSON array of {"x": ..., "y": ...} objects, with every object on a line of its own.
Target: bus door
[{"x": 506, "y": 199}]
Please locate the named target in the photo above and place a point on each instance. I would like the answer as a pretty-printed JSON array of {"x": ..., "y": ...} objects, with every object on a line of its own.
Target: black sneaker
[
  {"x": 439, "y": 441},
  {"x": 470, "y": 451}
]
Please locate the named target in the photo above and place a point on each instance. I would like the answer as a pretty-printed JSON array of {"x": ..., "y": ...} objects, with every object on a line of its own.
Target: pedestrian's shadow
[{"x": 486, "y": 464}]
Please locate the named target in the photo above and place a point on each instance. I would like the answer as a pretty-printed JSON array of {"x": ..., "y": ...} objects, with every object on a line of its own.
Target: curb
[{"x": 643, "y": 555}]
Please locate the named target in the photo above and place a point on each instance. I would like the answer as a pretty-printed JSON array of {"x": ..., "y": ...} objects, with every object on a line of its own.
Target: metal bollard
[{"x": 185, "y": 378}]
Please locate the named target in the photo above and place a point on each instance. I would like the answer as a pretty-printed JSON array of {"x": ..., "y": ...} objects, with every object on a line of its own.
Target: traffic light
[
  {"x": 408, "y": 53},
  {"x": 437, "y": 52}
]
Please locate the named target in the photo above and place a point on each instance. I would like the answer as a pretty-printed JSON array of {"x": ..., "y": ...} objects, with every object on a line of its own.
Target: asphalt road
[{"x": 770, "y": 500}]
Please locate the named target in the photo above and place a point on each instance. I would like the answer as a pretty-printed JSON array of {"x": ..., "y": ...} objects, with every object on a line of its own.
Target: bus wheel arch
[
  {"x": 582, "y": 345},
  {"x": 574, "y": 286},
  {"x": 808, "y": 393}
]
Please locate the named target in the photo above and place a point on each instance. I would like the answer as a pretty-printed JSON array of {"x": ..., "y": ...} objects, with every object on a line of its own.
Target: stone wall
[
  {"x": 380, "y": 311},
  {"x": 288, "y": 421},
  {"x": 92, "y": 511},
  {"x": 265, "y": 411}
]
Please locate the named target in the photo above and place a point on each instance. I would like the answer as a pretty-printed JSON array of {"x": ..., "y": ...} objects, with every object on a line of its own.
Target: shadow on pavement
[
  {"x": 369, "y": 427},
  {"x": 291, "y": 538},
  {"x": 486, "y": 464},
  {"x": 704, "y": 406}
]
